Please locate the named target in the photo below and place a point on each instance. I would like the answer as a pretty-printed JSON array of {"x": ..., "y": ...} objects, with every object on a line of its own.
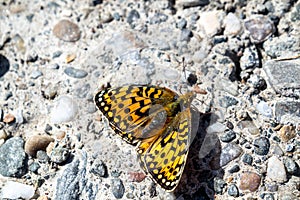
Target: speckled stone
[
  {"x": 117, "y": 188},
  {"x": 249, "y": 181},
  {"x": 261, "y": 146},
  {"x": 276, "y": 170},
  {"x": 67, "y": 31}
]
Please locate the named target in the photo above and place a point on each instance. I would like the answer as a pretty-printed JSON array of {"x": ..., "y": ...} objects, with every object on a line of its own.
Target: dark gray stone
[
  {"x": 261, "y": 146},
  {"x": 234, "y": 169},
  {"x": 228, "y": 136},
  {"x": 4, "y": 65},
  {"x": 117, "y": 188},
  {"x": 13, "y": 159},
  {"x": 247, "y": 158}
]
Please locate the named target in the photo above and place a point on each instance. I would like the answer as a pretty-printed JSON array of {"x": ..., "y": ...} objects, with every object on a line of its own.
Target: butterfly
[{"x": 158, "y": 121}]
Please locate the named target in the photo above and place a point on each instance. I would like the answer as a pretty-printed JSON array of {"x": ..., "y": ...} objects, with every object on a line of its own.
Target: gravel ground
[{"x": 55, "y": 56}]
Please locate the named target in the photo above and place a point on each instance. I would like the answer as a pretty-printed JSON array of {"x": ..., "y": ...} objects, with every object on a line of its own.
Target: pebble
[
  {"x": 250, "y": 58},
  {"x": 137, "y": 176},
  {"x": 276, "y": 170},
  {"x": 56, "y": 54},
  {"x": 260, "y": 28},
  {"x": 228, "y": 136},
  {"x": 247, "y": 159},
  {"x": 263, "y": 108},
  {"x": 99, "y": 168},
  {"x": 158, "y": 18},
  {"x": 42, "y": 156},
  {"x": 13, "y": 158},
  {"x": 59, "y": 155},
  {"x": 70, "y": 183},
  {"x": 291, "y": 166},
  {"x": 229, "y": 152},
  {"x": 70, "y": 58},
  {"x": 50, "y": 91},
  {"x": 9, "y": 118},
  {"x": 219, "y": 185},
  {"x": 210, "y": 22},
  {"x": 261, "y": 146},
  {"x": 34, "y": 167},
  {"x": 234, "y": 169},
  {"x": 287, "y": 133},
  {"x": 75, "y": 73},
  {"x": 4, "y": 65},
  {"x": 287, "y": 111},
  {"x": 232, "y": 25},
  {"x": 36, "y": 74},
  {"x": 64, "y": 110},
  {"x": 36, "y": 143},
  {"x": 191, "y": 3},
  {"x": 282, "y": 46},
  {"x": 67, "y": 31},
  {"x": 117, "y": 188},
  {"x": 133, "y": 15},
  {"x": 233, "y": 190},
  {"x": 249, "y": 181},
  {"x": 16, "y": 190},
  {"x": 248, "y": 126},
  {"x": 283, "y": 77},
  {"x": 181, "y": 24}
]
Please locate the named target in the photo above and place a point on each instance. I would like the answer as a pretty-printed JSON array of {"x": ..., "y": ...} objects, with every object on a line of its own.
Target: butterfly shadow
[{"x": 202, "y": 167}]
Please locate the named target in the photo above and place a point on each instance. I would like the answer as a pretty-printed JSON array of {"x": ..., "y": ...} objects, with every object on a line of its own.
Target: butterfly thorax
[{"x": 179, "y": 104}]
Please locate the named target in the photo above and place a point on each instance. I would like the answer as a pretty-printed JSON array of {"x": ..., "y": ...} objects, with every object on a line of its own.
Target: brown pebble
[
  {"x": 260, "y": 28},
  {"x": 60, "y": 135},
  {"x": 9, "y": 118},
  {"x": 70, "y": 58},
  {"x": 137, "y": 176},
  {"x": 249, "y": 181},
  {"x": 36, "y": 143},
  {"x": 66, "y": 31},
  {"x": 287, "y": 132}
]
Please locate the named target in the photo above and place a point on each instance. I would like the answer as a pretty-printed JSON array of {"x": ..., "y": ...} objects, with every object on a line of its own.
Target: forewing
[
  {"x": 166, "y": 157},
  {"x": 131, "y": 109}
]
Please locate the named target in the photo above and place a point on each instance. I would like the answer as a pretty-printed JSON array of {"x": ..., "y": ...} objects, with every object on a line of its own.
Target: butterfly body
[{"x": 157, "y": 120}]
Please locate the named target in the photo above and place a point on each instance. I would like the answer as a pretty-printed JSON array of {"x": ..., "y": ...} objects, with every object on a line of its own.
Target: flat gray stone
[{"x": 283, "y": 76}]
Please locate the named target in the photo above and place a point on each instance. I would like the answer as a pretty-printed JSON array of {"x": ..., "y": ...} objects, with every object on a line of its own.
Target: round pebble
[
  {"x": 233, "y": 190},
  {"x": 16, "y": 190},
  {"x": 65, "y": 110},
  {"x": 232, "y": 25},
  {"x": 261, "y": 146},
  {"x": 263, "y": 108},
  {"x": 42, "y": 156},
  {"x": 66, "y": 31},
  {"x": 36, "y": 74},
  {"x": 249, "y": 181},
  {"x": 36, "y": 143},
  {"x": 75, "y": 73}
]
